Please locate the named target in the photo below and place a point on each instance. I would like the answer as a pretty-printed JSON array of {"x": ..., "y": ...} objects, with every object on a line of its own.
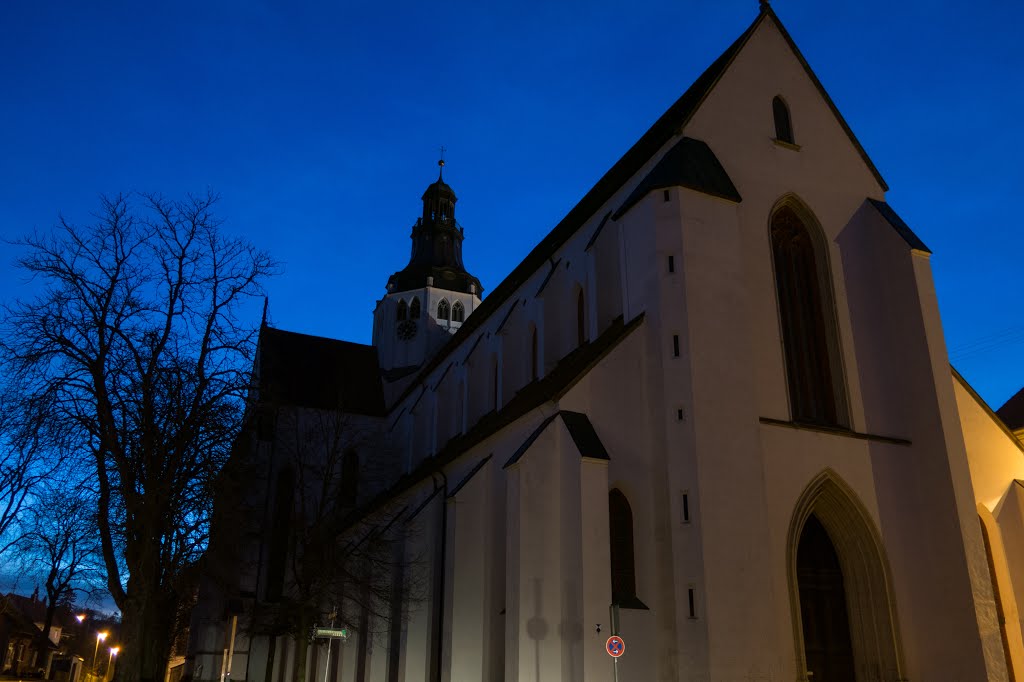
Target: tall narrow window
[
  {"x": 533, "y": 354},
  {"x": 279, "y": 533},
  {"x": 783, "y": 124},
  {"x": 812, "y": 359},
  {"x": 581, "y": 319},
  {"x": 414, "y": 309},
  {"x": 443, "y": 311},
  {"x": 403, "y": 311},
  {"x": 620, "y": 530},
  {"x": 349, "y": 489},
  {"x": 458, "y": 312},
  {"x": 494, "y": 382}
]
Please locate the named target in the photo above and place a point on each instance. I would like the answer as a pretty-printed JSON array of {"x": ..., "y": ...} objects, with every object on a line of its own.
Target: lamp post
[
  {"x": 100, "y": 636},
  {"x": 110, "y": 661}
]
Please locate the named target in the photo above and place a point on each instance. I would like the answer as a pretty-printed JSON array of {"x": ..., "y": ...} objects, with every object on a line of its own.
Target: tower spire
[{"x": 436, "y": 258}]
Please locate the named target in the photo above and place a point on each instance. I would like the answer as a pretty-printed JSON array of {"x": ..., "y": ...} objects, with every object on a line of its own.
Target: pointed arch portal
[{"x": 844, "y": 618}]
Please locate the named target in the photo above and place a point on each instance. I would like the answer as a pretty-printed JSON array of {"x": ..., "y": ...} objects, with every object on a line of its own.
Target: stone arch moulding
[{"x": 874, "y": 631}]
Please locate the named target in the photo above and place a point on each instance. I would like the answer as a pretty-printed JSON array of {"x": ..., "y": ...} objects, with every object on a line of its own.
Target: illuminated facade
[{"x": 716, "y": 394}]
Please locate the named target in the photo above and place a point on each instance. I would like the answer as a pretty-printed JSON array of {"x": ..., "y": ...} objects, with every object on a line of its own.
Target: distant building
[
  {"x": 716, "y": 395},
  {"x": 21, "y": 631}
]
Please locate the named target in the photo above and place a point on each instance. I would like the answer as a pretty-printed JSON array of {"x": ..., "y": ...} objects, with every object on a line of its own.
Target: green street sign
[{"x": 331, "y": 633}]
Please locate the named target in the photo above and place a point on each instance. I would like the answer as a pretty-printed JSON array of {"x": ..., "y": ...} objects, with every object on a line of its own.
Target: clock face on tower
[{"x": 406, "y": 329}]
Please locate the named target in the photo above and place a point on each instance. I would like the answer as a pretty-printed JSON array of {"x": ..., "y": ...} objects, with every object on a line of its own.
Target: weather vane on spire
[{"x": 440, "y": 162}]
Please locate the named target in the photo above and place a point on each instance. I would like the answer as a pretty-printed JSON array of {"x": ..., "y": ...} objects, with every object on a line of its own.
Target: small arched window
[
  {"x": 443, "y": 311},
  {"x": 533, "y": 354},
  {"x": 403, "y": 311},
  {"x": 620, "y": 531},
  {"x": 803, "y": 286},
  {"x": 414, "y": 309},
  {"x": 783, "y": 123},
  {"x": 458, "y": 312},
  {"x": 581, "y": 319}
]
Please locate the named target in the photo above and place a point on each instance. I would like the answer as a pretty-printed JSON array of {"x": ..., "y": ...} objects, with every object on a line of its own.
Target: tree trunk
[
  {"x": 301, "y": 647},
  {"x": 147, "y": 633}
]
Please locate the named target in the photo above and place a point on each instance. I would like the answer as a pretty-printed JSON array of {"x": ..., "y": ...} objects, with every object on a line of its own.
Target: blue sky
[{"x": 319, "y": 123}]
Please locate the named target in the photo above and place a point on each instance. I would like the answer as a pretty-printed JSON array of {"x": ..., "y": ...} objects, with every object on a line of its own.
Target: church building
[{"x": 711, "y": 413}]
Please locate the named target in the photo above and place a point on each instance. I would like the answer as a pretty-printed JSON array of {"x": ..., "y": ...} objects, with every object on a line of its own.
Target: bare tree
[
  {"x": 334, "y": 574},
  {"x": 133, "y": 352},
  {"x": 61, "y": 545}
]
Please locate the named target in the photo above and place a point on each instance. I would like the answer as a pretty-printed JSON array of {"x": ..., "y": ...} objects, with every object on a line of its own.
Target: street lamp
[
  {"x": 110, "y": 661},
  {"x": 100, "y": 636},
  {"x": 80, "y": 618}
]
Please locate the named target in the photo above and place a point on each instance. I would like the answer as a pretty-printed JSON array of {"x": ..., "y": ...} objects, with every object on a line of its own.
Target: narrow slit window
[
  {"x": 686, "y": 507},
  {"x": 693, "y": 608},
  {"x": 666, "y": 195},
  {"x": 581, "y": 326},
  {"x": 533, "y": 354},
  {"x": 671, "y": 264},
  {"x": 675, "y": 345}
]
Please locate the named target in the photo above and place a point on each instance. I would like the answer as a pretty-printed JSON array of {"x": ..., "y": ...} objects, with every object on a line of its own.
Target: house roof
[
  {"x": 313, "y": 371},
  {"x": 1012, "y": 411},
  {"x": 668, "y": 125}
]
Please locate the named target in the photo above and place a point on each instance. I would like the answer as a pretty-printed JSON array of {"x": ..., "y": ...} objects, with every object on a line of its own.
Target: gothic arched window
[
  {"x": 443, "y": 311},
  {"x": 783, "y": 123},
  {"x": 620, "y": 531},
  {"x": 403, "y": 310},
  {"x": 458, "y": 312},
  {"x": 581, "y": 319},
  {"x": 414, "y": 309},
  {"x": 803, "y": 285}
]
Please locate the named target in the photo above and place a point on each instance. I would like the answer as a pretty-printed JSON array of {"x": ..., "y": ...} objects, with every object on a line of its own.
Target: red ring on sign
[{"x": 615, "y": 646}]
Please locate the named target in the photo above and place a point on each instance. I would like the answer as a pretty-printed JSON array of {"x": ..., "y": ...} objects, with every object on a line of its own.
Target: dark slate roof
[
  {"x": 912, "y": 240},
  {"x": 691, "y": 164},
  {"x": 580, "y": 430},
  {"x": 584, "y": 435},
  {"x": 313, "y": 371},
  {"x": 1012, "y": 411}
]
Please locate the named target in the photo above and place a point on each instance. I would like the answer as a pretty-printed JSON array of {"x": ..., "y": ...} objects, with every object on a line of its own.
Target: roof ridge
[{"x": 667, "y": 125}]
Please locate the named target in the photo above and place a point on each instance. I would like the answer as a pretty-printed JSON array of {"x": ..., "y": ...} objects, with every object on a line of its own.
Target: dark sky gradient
[{"x": 319, "y": 124}]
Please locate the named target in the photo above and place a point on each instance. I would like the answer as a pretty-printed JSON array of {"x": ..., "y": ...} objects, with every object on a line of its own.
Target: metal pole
[{"x": 613, "y": 614}]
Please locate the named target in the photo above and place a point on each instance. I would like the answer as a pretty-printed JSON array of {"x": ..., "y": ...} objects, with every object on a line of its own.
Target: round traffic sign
[{"x": 615, "y": 646}]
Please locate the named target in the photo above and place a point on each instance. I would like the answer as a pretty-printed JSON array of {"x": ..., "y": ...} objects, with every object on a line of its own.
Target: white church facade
[{"x": 715, "y": 395}]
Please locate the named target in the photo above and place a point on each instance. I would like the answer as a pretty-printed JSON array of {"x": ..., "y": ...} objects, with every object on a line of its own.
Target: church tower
[{"x": 430, "y": 298}]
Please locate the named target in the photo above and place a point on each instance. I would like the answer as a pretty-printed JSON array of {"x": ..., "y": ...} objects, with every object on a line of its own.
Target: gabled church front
[{"x": 714, "y": 400}]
